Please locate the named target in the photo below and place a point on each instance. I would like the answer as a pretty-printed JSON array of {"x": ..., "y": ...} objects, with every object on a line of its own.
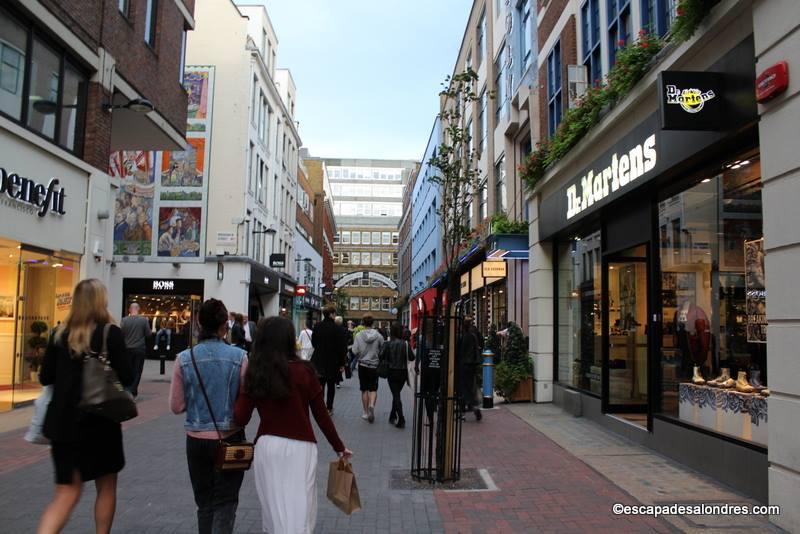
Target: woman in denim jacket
[{"x": 222, "y": 367}]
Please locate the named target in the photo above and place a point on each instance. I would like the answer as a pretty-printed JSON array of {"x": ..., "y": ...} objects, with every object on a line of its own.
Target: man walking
[
  {"x": 249, "y": 331},
  {"x": 330, "y": 347},
  {"x": 135, "y": 328},
  {"x": 469, "y": 357},
  {"x": 367, "y": 348}
]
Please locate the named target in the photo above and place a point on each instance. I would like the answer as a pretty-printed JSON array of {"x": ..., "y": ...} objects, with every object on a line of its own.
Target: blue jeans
[
  {"x": 164, "y": 333},
  {"x": 216, "y": 494}
]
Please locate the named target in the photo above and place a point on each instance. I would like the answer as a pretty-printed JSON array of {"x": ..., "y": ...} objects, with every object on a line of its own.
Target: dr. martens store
[{"x": 658, "y": 270}]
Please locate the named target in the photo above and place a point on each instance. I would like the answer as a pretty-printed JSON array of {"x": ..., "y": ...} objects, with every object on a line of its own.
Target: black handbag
[
  {"x": 101, "y": 393},
  {"x": 229, "y": 456}
]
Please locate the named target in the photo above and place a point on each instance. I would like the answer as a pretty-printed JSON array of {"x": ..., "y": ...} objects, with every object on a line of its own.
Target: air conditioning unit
[{"x": 576, "y": 83}]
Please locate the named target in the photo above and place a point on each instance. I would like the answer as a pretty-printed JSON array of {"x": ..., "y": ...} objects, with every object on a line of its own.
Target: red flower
[
  {"x": 680, "y": 11},
  {"x": 644, "y": 44},
  {"x": 642, "y": 33},
  {"x": 621, "y": 42}
]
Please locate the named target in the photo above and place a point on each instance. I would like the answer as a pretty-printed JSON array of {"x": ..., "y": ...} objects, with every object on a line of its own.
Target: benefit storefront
[
  {"x": 43, "y": 213},
  {"x": 656, "y": 249}
]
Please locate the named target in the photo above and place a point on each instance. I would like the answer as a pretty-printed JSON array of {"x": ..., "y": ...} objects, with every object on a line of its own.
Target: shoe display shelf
[{"x": 743, "y": 415}]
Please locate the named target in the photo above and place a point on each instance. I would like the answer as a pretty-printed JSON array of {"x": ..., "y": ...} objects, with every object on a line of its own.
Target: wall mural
[{"x": 161, "y": 200}]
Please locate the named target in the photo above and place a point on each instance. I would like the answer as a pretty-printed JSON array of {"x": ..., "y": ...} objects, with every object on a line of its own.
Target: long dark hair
[{"x": 273, "y": 348}]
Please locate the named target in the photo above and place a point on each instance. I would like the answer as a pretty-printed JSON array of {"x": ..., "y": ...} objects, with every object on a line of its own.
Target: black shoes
[
  {"x": 392, "y": 419},
  {"x": 401, "y": 423},
  {"x": 478, "y": 414}
]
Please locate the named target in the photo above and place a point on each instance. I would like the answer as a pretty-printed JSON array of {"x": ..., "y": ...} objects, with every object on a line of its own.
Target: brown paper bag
[{"x": 342, "y": 488}]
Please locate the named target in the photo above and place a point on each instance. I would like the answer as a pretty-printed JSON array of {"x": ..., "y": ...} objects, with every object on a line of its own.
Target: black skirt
[{"x": 96, "y": 452}]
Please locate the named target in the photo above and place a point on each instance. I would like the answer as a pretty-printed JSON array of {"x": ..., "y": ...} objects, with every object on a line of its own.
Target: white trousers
[{"x": 286, "y": 481}]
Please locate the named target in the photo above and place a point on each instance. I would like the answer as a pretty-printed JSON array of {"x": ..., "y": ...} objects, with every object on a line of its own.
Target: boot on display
[
  {"x": 741, "y": 383},
  {"x": 725, "y": 375},
  {"x": 697, "y": 377}
]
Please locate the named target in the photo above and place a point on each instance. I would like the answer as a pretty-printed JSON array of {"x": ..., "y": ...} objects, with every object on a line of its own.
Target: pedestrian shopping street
[{"x": 566, "y": 480}]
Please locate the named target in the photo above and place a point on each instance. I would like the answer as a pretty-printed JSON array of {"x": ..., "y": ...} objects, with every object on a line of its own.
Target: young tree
[{"x": 457, "y": 176}]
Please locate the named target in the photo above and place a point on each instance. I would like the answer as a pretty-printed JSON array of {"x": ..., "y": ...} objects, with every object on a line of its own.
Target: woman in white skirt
[{"x": 283, "y": 388}]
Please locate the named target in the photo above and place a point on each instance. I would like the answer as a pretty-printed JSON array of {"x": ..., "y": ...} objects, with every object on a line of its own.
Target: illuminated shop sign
[
  {"x": 692, "y": 100},
  {"x": 47, "y": 198},
  {"x": 163, "y": 285},
  {"x": 621, "y": 170}
]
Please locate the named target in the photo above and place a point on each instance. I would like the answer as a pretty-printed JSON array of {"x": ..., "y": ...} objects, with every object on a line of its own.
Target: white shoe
[
  {"x": 155, "y": 347},
  {"x": 365, "y": 417},
  {"x": 167, "y": 348}
]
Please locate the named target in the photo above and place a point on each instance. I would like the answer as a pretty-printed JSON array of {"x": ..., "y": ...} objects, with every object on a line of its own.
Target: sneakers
[
  {"x": 365, "y": 417},
  {"x": 167, "y": 348},
  {"x": 155, "y": 348},
  {"x": 371, "y": 416}
]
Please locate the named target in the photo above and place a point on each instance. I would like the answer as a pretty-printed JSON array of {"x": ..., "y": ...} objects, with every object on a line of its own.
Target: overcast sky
[{"x": 368, "y": 72}]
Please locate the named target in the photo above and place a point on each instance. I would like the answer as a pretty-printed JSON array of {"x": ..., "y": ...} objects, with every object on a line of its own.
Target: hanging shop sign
[
  {"x": 287, "y": 288},
  {"x": 464, "y": 284},
  {"x": 46, "y": 198},
  {"x": 772, "y": 82},
  {"x": 691, "y": 100},
  {"x": 277, "y": 261},
  {"x": 493, "y": 269}
]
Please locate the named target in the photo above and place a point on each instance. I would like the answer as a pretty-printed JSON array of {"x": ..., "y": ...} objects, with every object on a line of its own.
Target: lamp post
[{"x": 272, "y": 232}]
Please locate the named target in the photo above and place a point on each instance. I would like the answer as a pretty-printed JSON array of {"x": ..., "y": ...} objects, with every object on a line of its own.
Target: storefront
[
  {"x": 169, "y": 303},
  {"x": 484, "y": 295},
  {"x": 287, "y": 298},
  {"x": 43, "y": 214},
  {"x": 657, "y": 248}
]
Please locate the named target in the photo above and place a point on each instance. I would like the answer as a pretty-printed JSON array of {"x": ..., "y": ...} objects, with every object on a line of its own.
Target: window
[
  {"x": 376, "y": 238},
  {"x": 250, "y": 174},
  {"x": 182, "y": 66},
  {"x": 124, "y": 7},
  {"x": 335, "y": 259},
  {"x": 385, "y": 303},
  {"x": 468, "y": 63},
  {"x": 500, "y": 83},
  {"x": 500, "y": 186},
  {"x": 386, "y": 238},
  {"x": 376, "y": 303},
  {"x": 395, "y": 238},
  {"x": 365, "y": 258},
  {"x": 365, "y": 238},
  {"x": 345, "y": 258},
  {"x": 394, "y": 262},
  {"x": 525, "y": 31},
  {"x": 376, "y": 258},
  {"x": 483, "y": 195},
  {"x": 590, "y": 26},
  {"x": 356, "y": 260},
  {"x": 481, "y": 39},
  {"x": 365, "y": 303},
  {"x": 12, "y": 65},
  {"x": 336, "y": 238},
  {"x": 345, "y": 238},
  {"x": 471, "y": 141},
  {"x": 354, "y": 302},
  {"x": 386, "y": 258},
  {"x": 150, "y": 22},
  {"x": 356, "y": 239},
  {"x": 619, "y": 27},
  {"x": 483, "y": 123},
  {"x": 554, "y": 88},
  {"x": 657, "y": 15}
]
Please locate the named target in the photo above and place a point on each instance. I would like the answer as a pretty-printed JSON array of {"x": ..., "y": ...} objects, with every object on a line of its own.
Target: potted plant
[
  {"x": 37, "y": 343},
  {"x": 514, "y": 374}
]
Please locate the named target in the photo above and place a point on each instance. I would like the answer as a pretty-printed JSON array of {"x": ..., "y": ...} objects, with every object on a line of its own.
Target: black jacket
[
  {"x": 64, "y": 422},
  {"x": 237, "y": 336},
  {"x": 469, "y": 348},
  {"x": 397, "y": 353},
  {"x": 330, "y": 348}
]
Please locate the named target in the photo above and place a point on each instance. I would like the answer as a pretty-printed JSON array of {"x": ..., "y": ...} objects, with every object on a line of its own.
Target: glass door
[{"x": 625, "y": 365}]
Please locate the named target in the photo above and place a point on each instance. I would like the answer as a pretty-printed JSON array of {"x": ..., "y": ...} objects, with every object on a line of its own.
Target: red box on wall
[{"x": 772, "y": 82}]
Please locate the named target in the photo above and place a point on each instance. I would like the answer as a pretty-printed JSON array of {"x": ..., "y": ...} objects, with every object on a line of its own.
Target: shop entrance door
[{"x": 626, "y": 327}]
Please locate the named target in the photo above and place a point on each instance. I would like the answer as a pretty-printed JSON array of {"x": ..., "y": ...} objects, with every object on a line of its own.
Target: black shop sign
[{"x": 692, "y": 100}]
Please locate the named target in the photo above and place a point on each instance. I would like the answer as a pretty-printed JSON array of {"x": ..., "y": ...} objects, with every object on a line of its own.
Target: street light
[{"x": 270, "y": 231}]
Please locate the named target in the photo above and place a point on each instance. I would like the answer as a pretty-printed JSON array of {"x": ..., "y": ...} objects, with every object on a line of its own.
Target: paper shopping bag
[{"x": 342, "y": 488}]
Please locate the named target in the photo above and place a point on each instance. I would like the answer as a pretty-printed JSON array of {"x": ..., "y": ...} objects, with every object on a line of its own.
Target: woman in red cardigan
[{"x": 283, "y": 388}]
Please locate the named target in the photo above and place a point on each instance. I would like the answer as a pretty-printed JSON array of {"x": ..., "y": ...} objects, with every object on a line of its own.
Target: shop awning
[{"x": 507, "y": 246}]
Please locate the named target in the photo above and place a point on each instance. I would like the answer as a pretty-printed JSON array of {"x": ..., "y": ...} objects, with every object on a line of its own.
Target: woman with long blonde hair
[{"x": 84, "y": 446}]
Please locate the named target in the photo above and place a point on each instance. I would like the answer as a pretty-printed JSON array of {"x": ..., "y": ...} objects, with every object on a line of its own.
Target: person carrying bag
[
  {"x": 342, "y": 487},
  {"x": 393, "y": 365},
  {"x": 205, "y": 383},
  {"x": 86, "y": 437}
]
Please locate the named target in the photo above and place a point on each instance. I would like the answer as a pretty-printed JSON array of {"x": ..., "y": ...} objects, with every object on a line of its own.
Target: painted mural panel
[
  {"x": 179, "y": 232},
  {"x": 133, "y": 211}
]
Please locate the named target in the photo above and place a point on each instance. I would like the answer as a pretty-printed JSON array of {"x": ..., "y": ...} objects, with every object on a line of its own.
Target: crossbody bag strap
[
  {"x": 205, "y": 395},
  {"x": 104, "y": 346}
]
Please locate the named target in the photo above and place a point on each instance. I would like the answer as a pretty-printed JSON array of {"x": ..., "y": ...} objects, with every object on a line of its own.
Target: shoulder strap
[
  {"x": 104, "y": 346},
  {"x": 205, "y": 395}
]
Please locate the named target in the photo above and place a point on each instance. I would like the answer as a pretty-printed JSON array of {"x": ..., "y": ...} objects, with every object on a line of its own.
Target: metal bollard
[
  {"x": 488, "y": 378},
  {"x": 163, "y": 359}
]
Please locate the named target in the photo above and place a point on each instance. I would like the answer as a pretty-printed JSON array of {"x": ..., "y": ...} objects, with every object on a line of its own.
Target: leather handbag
[
  {"x": 230, "y": 456},
  {"x": 101, "y": 393}
]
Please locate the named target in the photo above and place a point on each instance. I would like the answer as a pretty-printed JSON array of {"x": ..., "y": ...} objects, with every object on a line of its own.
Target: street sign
[{"x": 277, "y": 261}]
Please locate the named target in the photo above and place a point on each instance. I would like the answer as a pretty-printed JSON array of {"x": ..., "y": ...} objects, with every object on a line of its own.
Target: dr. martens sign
[
  {"x": 692, "y": 100},
  {"x": 43, "y": 198}
]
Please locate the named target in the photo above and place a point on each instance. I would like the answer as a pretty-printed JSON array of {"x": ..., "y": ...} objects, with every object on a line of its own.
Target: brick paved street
[{"x": 542, "y": 487}]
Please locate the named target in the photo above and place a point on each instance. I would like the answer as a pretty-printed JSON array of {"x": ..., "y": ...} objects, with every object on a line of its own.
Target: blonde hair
[{"x": 89, "y": 309}]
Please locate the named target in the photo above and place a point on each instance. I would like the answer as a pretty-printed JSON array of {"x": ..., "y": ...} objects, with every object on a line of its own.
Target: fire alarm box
[{"x": 772, "y": 82}]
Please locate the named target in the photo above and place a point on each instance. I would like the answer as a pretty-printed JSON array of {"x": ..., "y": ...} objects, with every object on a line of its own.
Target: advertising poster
[
  {"x": 179, "y": 232},
  {"x": 756, "y": 291},
  {"x": 186, "y": 168},
  {"x": 133, "y": 209}
]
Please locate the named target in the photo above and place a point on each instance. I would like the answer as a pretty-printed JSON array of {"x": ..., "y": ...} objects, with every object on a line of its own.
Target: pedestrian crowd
[{"x": 236, "y": 368}]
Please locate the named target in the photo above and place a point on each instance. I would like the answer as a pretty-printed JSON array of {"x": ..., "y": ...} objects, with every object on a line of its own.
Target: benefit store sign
[{"x": 26, "y": 194}]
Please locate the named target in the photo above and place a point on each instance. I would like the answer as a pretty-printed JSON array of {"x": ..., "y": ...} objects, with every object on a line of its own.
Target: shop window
[
  {"x": 579, "y": 313},
  {"x": 713, "y": 300}
]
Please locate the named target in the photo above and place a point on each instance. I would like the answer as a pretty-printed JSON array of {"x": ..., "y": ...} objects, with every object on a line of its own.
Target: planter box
[{"x": 523, "y": 393}]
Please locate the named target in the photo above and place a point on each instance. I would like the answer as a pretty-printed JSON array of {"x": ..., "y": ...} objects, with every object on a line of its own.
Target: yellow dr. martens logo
[{"x": 691, "y": 100}]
